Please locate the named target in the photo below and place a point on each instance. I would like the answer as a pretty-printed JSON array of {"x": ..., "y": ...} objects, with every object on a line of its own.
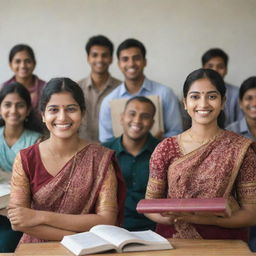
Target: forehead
[
  {"x": 62, "y": 98},
  {"x": 130, "y": 52},
  {"x": 203, "y": 85},
  {"x": 251, "y": 91},
  {"x": 140, "y": 107},
  {"x": 99, "y": 49},
  {"x": 215, "y": 61},
  {"x": 13, "y": 97},
  {"x": 22, "y": 54}
]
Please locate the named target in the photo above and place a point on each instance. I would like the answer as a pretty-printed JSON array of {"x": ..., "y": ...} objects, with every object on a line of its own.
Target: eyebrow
[
  {"x": 207, "y": 92},
  {"x": 70, "y": 105}
]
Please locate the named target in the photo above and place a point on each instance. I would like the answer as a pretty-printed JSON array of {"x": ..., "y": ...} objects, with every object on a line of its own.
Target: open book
[
  {"x": 117, "y": 107},
  {"x": 215, "y": 206},
  {"x": 103, "y": 238},
  {"x": 5, "y": 188}
]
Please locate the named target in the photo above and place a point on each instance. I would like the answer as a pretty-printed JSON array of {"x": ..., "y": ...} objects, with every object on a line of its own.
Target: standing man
[
  {"x": 97, "y": 85},
  {"x": 131, "y": 56},
  {"x": 133, "y": 151},
  {"x": 217, "y": 60}
]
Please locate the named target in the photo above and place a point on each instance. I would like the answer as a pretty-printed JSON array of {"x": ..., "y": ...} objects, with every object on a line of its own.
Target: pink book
[{"x": 217, "y": 206}]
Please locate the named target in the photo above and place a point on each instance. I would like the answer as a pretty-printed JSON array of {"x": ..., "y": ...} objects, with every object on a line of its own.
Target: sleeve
[
  {"x": 172, "y": 114},
  {"x": 20, "y": 186},
  {"x": 105, "y": 121},
  {"x": 107, "y": 199},
  {"x": 159, "y": 163},
  {"x": 246, "y": 179}
]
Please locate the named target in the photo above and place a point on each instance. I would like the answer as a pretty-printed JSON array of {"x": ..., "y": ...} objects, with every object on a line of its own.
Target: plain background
[{"x": 175, "y": 32}]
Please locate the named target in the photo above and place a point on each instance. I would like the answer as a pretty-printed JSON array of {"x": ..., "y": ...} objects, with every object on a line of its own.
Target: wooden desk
[{"x": 183, "y": 247}]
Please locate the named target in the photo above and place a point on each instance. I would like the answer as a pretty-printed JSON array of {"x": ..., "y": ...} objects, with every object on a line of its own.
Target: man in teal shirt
[{"x": 133, "y": 151}]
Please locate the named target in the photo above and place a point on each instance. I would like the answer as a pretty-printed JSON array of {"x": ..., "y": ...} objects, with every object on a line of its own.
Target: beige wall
[{"x": 175, "y": 32}]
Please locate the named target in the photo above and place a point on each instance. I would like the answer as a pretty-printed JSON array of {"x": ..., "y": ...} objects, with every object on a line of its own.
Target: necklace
[{"x": 204, "y": 141}]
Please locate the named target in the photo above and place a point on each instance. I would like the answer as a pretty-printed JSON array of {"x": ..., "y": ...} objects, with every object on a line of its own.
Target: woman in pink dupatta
[
  {"x": 205, "y": 161},
  {"x": 64, "y": 185}
]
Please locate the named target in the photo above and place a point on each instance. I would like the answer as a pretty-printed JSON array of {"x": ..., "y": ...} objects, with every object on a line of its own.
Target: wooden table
[{"x": 184, "y": 247}]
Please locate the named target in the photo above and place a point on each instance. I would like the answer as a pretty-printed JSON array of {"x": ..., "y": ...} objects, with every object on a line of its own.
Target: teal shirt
[
  {"x": 136, "y": 172},
  {"x": 8, "y": 154}
]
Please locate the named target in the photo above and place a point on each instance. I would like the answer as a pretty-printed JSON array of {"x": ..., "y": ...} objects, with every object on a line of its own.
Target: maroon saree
[
  {"x": 224, "y": 167},
  {"x": 75, "y": 188}
]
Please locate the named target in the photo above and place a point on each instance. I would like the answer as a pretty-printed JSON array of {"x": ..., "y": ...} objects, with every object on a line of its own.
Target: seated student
[
  {"x": 131, "y": 56},
  {"x": 63, "y": 185},
  {"x": 247, "y": 96},
  {"x": 205, "y": 162},
  {"x": 133, "y": 151},
  {"x": 247, "y": 126},
  {"x": 217, "y": 60},
  {"x": 97, "y": 85},
  {"x": 22, "y": 62},
  {"x": 18, "y": 129}
]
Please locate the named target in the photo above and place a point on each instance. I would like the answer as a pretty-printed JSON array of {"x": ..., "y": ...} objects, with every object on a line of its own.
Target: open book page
[
  {"x": 131, "y": 241},
  {"x": 117, "y": 107},
  {"x": 5, "y": 190},
  {"x": 86, "y": 243}
]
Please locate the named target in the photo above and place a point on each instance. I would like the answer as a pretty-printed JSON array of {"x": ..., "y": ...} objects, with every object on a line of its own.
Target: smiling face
[
  {"x": 217, "y": 64},
  {"x": 14, "y": 110},
  {"x": 132, "y": 63},
  {"x": 99, "y": 59},
  {"x": 203, "y": 102},
  {"x": 248, "y": 104},
  {"x": 22, "y": 65},
  {"x": 137, "y": 120},
  {"x": 62, "y": 115}
]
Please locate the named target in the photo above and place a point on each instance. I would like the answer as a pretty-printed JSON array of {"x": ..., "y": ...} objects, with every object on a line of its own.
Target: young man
[
  {"x": 131, "y": 56},
  {"x": 97, "y": 85},
  {"x": 133, "y": 151},
  {"x": 217, "y": 60}
]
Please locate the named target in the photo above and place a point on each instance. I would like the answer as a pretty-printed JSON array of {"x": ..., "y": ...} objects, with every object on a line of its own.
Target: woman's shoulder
[{"x": 235, "y": 137}]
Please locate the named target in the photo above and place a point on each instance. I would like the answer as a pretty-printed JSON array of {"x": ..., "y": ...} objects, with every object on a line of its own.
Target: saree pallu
[
  {"x": 224, "y": 167},
  {"x": 75, "y": 188}
]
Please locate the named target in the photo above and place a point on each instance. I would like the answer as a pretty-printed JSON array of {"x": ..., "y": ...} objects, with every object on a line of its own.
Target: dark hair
[
  {"x": 131, "y": 43},
  {"x": 215, "y": 78},
  {"x": 19, "y": 48},
  {"x": 101, "y": 41},
  {"x": 143, "y": 100},
  {"x": 62, "y": 84},
  {"x": 31, "y": 122},
  {"x": 249, "y": 83},
  {"x": 212, "y": 53}
]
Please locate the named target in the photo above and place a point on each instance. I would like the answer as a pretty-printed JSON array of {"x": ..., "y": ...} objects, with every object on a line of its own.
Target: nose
[
  {"x": 203, "y": 102},
  {"x": 130, "y": 62},
  {"x": 62, "y": 115},
  {"x": 13, "y": 109},
  {"x": 137, "y": 119}
]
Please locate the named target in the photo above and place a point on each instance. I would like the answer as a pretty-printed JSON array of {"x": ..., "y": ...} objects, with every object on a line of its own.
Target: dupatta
[
  {"x": 212, "y": 170},
  {"x": 75, "y": 189}
]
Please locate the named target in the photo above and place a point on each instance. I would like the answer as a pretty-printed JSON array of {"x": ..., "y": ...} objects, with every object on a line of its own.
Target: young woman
[
  {"x": 205, "y": 162},
  {"x": 63, "y": 185},
  {"x": 22, "y": 62},
  {"x": 18, "y": 129}
]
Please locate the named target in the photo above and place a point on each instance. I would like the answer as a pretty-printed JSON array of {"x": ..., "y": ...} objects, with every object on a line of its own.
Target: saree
[
  {"x": 223, "y": 167},
  {"x": 84, "y": 185}
]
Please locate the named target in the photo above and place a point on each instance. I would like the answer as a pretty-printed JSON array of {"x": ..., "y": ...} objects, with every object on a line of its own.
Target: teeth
[
  {"x": 135, "y": 128},
  {"x": 131, "y": 70},
  {"x": 63, "y": 125},
  {"x": 203, "y": 111}
]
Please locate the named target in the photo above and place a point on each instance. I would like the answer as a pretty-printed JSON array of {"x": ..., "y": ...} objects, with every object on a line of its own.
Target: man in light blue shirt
[
  {"x": 131, "y": 56},
  {"x": 217, "y": 60}
]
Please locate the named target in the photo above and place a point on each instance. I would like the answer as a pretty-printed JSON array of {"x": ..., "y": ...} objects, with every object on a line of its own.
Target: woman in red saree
[
  {"x": 64, "y": 184},
  {"x": 205, "y": 161}
]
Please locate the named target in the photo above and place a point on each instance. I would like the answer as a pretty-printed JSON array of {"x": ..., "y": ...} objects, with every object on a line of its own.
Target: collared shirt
[
  {"x": 135, "y": 170},
  {"x": 232, "y": 110},
  {"x": 170, "y": 105},
  {"x": 89, "y": 128},
  {"x": 241, "y": 127}
]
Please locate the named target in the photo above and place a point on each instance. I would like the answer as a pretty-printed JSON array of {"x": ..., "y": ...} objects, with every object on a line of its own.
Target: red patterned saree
[
  {"x": 86, "y": 184},
  {"x": 224, "y": 167}
]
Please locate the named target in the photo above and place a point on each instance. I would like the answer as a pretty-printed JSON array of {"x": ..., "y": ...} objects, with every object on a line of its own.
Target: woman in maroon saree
[
  {"x": 205, "y": 161},
  {"x": 64, "y": 185}
]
